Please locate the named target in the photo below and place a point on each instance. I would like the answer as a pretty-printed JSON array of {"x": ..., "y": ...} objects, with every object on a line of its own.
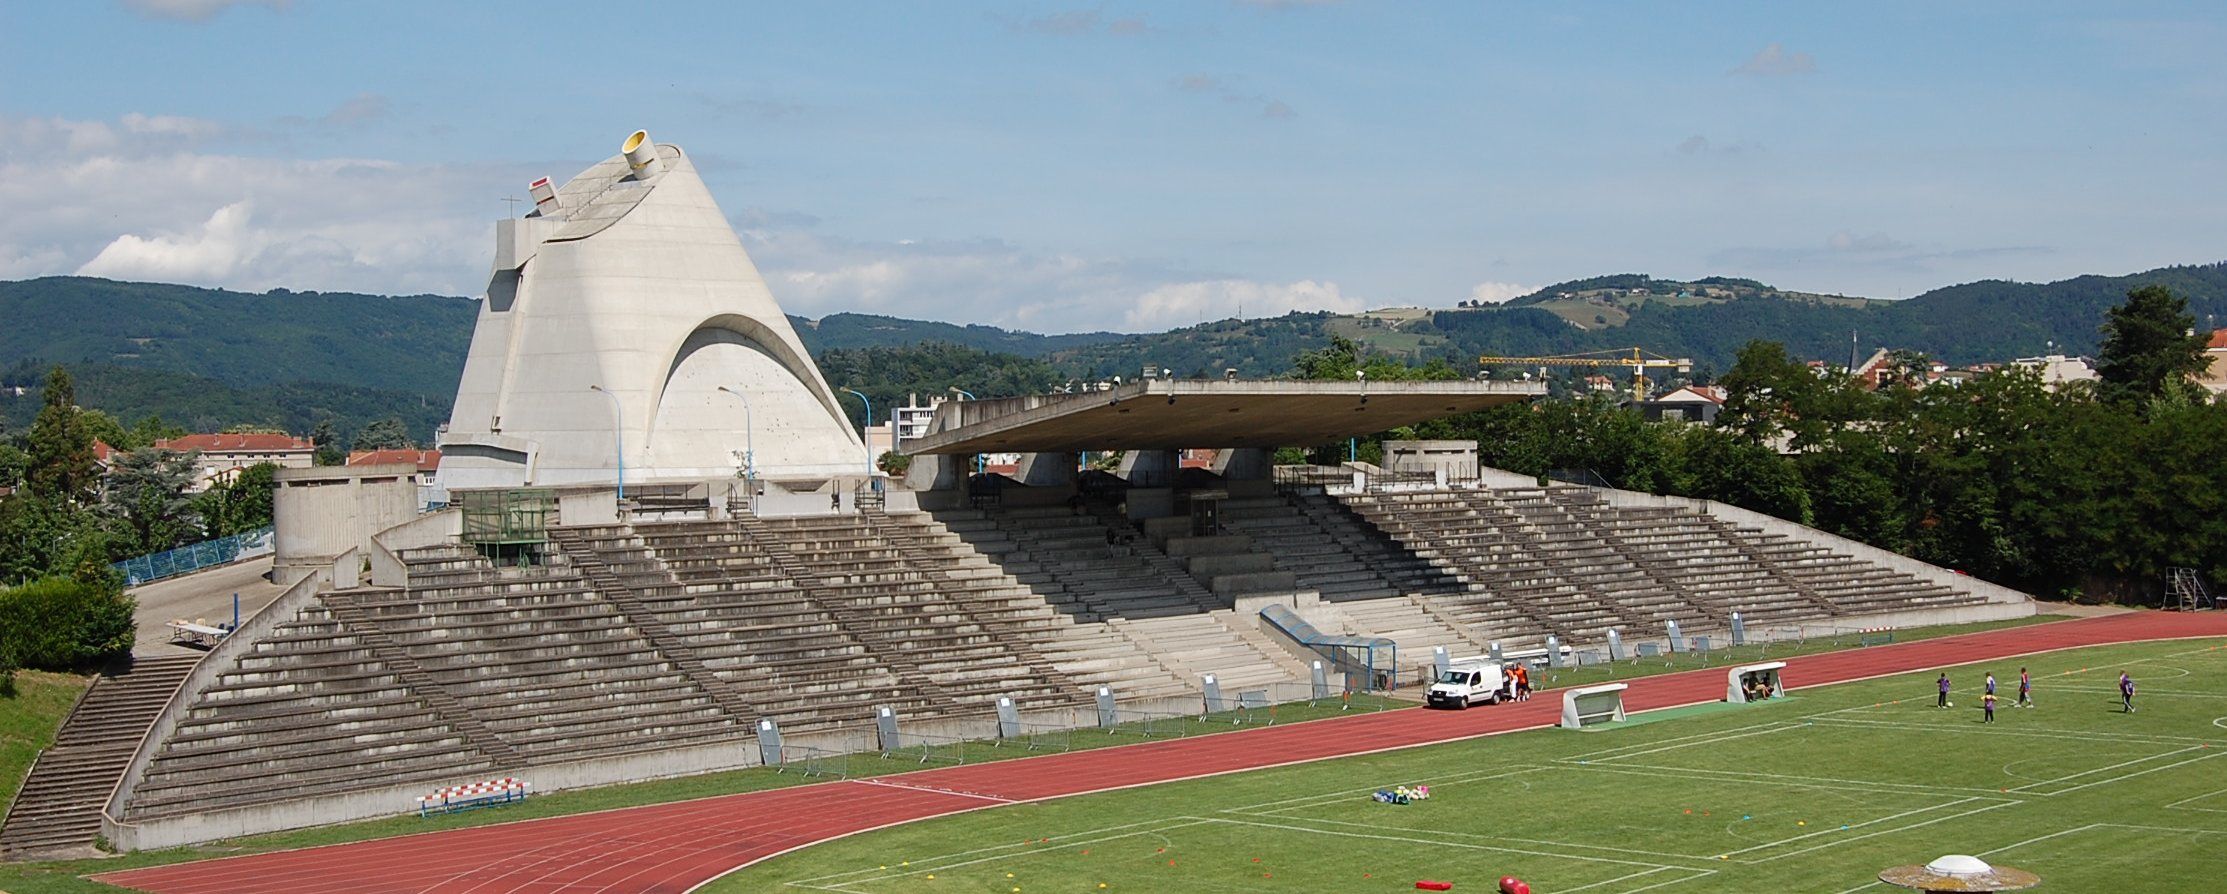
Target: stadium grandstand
[{"x": 630, "y": 580}]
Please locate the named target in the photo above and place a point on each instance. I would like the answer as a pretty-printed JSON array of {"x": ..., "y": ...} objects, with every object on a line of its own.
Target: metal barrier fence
[
  {"x": 814, "y": 763},
  {"x": 189, "y": 559}
]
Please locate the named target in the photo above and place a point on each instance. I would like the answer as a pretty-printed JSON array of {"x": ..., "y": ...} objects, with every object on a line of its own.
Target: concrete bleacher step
[{"x": 58, "y": 807}]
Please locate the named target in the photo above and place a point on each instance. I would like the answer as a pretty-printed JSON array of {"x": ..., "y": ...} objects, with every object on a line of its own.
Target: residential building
[
  {"x": 2057, "y": 369},
  {"x": 1692, "y": 403},
  {"x": 222, "y": 456}
]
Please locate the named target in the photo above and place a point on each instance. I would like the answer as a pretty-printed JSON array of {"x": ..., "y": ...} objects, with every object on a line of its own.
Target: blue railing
[
  {"x": 189, "y": 559},
  {"x": 1373, "y": 659}
]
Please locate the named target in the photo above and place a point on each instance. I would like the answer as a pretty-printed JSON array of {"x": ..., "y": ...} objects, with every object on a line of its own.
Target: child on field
[
  {"x": 1943, "y": 700},
  {"x": 2126, "y": 693},
  {"x": 1987, "y": 708},
  {"x": 2025, "y": 689}
]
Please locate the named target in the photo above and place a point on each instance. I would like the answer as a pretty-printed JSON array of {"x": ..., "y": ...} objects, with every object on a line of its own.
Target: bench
[
  {"x": 1737, "y": 681},
  {"x": 1602, "y": 704},
  {"x": 459, "y": 798}
]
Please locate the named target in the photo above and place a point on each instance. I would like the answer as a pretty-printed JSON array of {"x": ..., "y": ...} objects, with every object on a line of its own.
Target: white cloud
[
  {"x": 1497, "y": 292},
  {"x": 1186, "y": 303},
  {"x": 207, "y": 253},
  {"x": 194, "y": 10},
  {"x": 1774, "y": 61},
  {"x": 143, "y": 196},
  {"x": 1000, "y": 283}
]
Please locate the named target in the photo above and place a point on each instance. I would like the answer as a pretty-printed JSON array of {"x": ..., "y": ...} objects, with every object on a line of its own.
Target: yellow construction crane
[{"x": 1638, "y": 359}]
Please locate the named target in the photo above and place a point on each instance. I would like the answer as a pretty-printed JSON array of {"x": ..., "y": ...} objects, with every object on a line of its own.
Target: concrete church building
[{"x": 626, "y": 329}]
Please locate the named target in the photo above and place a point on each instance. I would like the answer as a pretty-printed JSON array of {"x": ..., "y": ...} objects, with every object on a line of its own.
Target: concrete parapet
[
  {"x": 341, "y": 807},
  {"x": 225, "y": 655}
]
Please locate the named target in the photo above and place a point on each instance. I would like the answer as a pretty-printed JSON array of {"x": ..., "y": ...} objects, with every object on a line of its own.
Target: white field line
[
  {"x": 1645, "y": 872},
  {"x": 2039, "y": 839},
  {"x": 940, "y": 791},
  {"x": 2133, "y": 774},
  {"x": 2143, "y": 692},
  {"x": 1817, "y": 847},
  {"x": 934, "y": 864},
  {"x": 1458, "y": 778},
  {"x": 1807, "y": 835},
  {"x": 1820, "y": 781},
  {"x": 2177, "y": 804},
  {"x": 2023, "y": 789},
  {"x": 1834, "y": 785},
  {"x": 1567, "y": 844},
  {"x": 1863, "y": 887},
  {"x": 1156, "y": 823},
  {"x": 1705, "y": 873},
  {"x": 2036, "y": 732},
  {"x": 1607, "y": 753},
  {"x": 1442, "y": 843},
  {"x": 1674, "y": 747},
  {"x": 2141, "y": 828}
]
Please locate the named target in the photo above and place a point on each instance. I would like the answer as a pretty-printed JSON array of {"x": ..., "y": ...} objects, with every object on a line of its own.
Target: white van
[{"x": 1469, "y": 681}]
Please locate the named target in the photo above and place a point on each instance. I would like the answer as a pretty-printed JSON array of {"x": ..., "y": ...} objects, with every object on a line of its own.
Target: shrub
[{"x": 58, "y": 623}]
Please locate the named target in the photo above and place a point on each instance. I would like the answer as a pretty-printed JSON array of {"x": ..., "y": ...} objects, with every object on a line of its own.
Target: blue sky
[{"x": 1064, "y": 166}]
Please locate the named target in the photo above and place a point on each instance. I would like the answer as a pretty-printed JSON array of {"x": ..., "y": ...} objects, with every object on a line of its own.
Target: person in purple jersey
[
  {"x": 1943, "y": 701},
  {"x": 2126, "y": 693},
  {"x": 1990, "y": 684}
]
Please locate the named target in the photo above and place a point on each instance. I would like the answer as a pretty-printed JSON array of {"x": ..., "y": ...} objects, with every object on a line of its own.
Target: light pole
[
  {"x": 962, "y": 392},
  {"x": 749, "y": 442},
  {"x": 865, "y": 434},
  {"x": 618, "y": 435}
]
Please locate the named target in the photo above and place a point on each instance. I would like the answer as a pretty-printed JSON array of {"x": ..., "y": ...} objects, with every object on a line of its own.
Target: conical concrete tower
[{"x": 625, "y": 328}]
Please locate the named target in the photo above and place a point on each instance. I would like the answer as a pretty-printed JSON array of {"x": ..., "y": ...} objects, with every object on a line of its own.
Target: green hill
[{"x": 209, "y": 357}]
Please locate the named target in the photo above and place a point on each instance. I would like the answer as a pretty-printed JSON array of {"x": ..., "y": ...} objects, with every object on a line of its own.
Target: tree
[
  {"x": 2150, "y": 346},
  {"x": 328, "y": 445},
  {"x": 148, "y": 507},
  {"x": 390, "y": 433},
  {"x": 1768, "y": 393},
  {"x": 241, "y": 504},
  {"x": 60, "y": 623},
  {"x": 62, "y": 465},
  {"x": 149, "y": 430}
]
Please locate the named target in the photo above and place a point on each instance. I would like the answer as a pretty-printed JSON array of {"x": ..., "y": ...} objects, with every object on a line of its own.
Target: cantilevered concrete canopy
[{"x": 1171, "y": 414}]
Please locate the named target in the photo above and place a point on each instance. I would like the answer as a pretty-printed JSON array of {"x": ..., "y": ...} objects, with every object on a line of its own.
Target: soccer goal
[{"x": 1590, "y": 705}]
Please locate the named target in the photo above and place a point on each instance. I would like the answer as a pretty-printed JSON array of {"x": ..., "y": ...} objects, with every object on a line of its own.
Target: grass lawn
[
  {"x": 61, "y": 877},
  {"x": 1815, "y": 793},
  {"x": 28, "y": 721}
]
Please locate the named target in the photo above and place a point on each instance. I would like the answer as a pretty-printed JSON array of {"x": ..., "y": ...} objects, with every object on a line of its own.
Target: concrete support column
[
  {"x": 1156, "y": 467},
  {"x": 936, "y": 472},
  {"x": 1244, "y": 463},
  {"x": 1048, "y": 469}
]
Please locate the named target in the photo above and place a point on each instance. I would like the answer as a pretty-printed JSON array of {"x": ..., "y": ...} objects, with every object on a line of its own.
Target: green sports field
[{"x": 1815, "y": 793}]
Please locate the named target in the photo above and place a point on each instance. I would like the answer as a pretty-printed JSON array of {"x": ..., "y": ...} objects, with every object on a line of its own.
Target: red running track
[{"x": 675, "y": 847}]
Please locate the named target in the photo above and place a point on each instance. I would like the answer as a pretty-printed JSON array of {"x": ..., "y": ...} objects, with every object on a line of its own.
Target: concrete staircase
[{"x": 59, "y": 806}]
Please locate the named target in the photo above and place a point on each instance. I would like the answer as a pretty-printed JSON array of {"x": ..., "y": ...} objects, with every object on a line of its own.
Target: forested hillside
[{"x": 208, "y": 358}]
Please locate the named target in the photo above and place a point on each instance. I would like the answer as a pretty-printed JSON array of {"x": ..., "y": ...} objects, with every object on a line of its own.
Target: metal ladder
[{"x": 2186, "y": 591}]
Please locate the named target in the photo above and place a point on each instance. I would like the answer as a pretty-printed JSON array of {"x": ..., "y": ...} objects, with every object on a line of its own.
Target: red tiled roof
[
  {"x": 2219, "y": 340},
  {"x": 237, "y": 443},
  {"x": 425, "y": 460},
  {"x": 101, "y": 450}
]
